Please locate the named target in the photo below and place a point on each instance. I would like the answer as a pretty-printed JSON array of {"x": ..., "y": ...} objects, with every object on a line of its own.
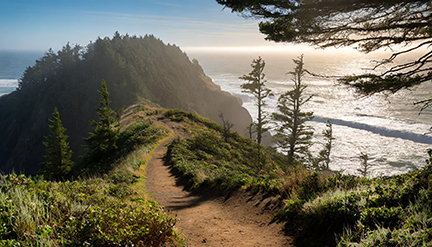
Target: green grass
[
  {"x": 338, "y": 210},
  {"x": 106, "y": 210},
  {"x": 208, "y": 160},
  {"x": 352, "y": 211},
  {"x": 90, "y": 211}
]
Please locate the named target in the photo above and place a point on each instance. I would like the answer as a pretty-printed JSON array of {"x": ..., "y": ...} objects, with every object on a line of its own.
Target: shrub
[{"x": 74, "y": 213}]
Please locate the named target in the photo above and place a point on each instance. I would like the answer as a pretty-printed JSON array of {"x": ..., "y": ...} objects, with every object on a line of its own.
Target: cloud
[{"x": 178, "y": 22}]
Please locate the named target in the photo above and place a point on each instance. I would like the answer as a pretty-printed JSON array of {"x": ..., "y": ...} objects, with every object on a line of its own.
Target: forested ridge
[{"x": 135, "y": 69}]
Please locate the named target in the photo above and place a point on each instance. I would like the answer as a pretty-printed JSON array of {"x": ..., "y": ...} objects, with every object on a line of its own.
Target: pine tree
[
  {"x": 365, "y": 166},
  {"x": 227, "y": 125},
  {"x": 256, "y": 87},
  {"x": 324, "y": 155},
  {"x": 102, "y": 141},
  {"x": 293, "y": 135},
  {"x": 58, "y": 161}
]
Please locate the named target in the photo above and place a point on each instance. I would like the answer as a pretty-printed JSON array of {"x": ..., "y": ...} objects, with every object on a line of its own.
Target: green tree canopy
[
  {"x": 366, "y": 25},
  {"x": 58, "y": 161},
  {"x": 102, "y": 141}
]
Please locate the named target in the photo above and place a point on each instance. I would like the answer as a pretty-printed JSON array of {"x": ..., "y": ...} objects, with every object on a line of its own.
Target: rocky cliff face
[{"x": 134, "y": 68}]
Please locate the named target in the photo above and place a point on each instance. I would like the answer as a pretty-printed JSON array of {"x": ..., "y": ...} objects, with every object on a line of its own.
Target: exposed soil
[{"x": 209, "y": 218}]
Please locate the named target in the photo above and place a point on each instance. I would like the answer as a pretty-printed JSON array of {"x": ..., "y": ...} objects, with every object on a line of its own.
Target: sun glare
[{"x": 272, "y": 48}]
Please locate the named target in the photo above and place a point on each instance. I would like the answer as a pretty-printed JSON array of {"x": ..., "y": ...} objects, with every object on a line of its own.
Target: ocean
[
  {"x": 386, "y": 127},
  {"x": 12, "y": 67}
]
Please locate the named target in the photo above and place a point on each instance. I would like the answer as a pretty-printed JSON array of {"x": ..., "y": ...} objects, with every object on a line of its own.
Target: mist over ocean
[{"x": 386, "y": 127}]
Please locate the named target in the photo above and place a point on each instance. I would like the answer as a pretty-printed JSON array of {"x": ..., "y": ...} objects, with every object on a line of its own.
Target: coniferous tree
[
  {"x": 293, "y": 135},
  {"x": 256, "y": 87},
  {"x": 324, "y": 155},
  {"x": 58, "y": 161},
  {"x": 365, "y": 166},
  {"x": 227, "y": 125},
  {"x": 102, "y": 141}
]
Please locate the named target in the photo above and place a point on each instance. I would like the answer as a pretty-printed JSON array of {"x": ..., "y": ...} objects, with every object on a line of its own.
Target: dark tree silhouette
[
  {"x": 366, "y": 25},
  {"x": 324, "y": 155},
  {"x": 293, "y": 135},
  {"x": 256, "y": 87},
  {"x": 227, "y": 126}
]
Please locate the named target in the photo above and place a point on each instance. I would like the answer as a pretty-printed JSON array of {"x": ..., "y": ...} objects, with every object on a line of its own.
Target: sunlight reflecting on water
[{"x": 386, "y": 127}]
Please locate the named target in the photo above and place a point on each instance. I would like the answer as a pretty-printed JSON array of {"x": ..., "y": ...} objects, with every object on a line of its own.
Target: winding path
[{"x": 206, "y": 220}]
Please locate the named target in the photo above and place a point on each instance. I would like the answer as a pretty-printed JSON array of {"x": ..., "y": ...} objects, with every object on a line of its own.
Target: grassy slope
[
  {"x": 319, "y": 211},
  {"x": 111, "y": 210}
]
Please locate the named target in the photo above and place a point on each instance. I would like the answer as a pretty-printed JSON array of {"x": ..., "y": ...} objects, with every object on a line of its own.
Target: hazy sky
[{"x": 44, "y": 24}]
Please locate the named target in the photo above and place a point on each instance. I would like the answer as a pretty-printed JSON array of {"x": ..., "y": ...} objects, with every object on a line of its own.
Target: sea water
[
  {"x": 12, "y": 66},
  {"x": 386, "y": 127}
]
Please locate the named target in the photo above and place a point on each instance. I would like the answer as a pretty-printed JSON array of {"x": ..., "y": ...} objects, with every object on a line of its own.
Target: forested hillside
[{"x": 135, "y": 69}]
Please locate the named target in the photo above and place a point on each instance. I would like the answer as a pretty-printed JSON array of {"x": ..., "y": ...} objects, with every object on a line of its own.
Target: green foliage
[
  {"x": 177, "y": 115},
  {"x": 256, "y": 87},
  {"x": 385, "y": 217},
  {"x": 102, "y": 141},
  {"x": 139, "y": 133},
  {"x": 86, "y": 212},
  {"x": 293, "y": 135},
  {"x": 349, "y": 211},
  {"x": 58, "y": 161},
  {"x": 208, "y": 160},
  {"x": 119, "y": 176}
]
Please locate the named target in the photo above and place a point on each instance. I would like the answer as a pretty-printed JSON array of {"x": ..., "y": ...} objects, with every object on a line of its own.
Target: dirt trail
[{"x": 206, "y": 220}]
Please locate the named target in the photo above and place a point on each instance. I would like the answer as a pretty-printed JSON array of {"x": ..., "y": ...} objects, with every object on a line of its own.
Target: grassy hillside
[
  {"x": 108, "y": 210},
  {"x": 320, "y": 210}
]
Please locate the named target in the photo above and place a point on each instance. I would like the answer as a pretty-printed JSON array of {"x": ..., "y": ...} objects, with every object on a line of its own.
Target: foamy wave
[
  {"x": 419, "y": 138},
  {"x": 8, "y": 82}
]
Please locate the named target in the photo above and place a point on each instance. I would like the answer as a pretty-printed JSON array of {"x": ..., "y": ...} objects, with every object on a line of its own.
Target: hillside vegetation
[
  {"x": 108, "y": 210},
  {"x": 319, "y": 210},
  {"x": 105, "y": 203},
  {"x": 136, "y": 69}
]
